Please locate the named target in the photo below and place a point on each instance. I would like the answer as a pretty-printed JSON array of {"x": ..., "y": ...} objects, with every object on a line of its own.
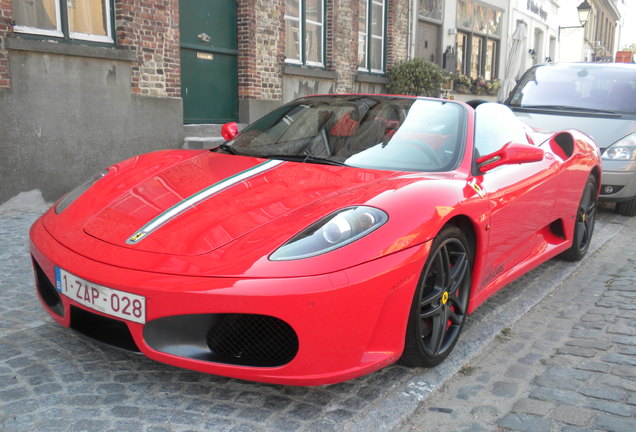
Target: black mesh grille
[
  {"x": 252, "y": 340},
  {"x": 47, "y": 291}
]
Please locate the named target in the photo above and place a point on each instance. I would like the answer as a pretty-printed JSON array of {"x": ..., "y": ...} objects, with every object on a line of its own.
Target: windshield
[
  {"x": 388, "y": 133},
  {"x": 587, "y": 87}
]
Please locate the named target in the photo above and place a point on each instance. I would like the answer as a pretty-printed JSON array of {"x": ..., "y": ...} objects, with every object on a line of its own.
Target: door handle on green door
[{"x": 204, "y": 38}]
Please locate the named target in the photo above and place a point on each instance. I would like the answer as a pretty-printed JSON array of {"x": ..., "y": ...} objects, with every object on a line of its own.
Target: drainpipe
[{"x": 413, "y": 27}]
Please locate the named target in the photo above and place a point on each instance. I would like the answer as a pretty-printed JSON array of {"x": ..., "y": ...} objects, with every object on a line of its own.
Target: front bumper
[
  {"x": 347, "y": 323},
  {"x": 619, "y": 181}
]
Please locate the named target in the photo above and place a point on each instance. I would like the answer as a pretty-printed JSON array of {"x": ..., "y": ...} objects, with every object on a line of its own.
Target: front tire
[
  {"x": 440, "y": 302},
  {"x": 626, "y": 208},
  {"x": 585, "y": 219}
]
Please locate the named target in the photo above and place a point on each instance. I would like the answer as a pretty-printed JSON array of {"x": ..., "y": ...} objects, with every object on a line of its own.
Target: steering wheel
[{"x": 426, "y": 149}]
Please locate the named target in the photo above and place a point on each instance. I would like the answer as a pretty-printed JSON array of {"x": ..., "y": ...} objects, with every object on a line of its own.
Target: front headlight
[
  {"x": 68, "y": 199},
  {"x": 622, "y": 150},
  {"x": 332, "y": 232}
]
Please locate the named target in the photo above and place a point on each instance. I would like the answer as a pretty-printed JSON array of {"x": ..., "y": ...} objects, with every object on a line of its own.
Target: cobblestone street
[
  {"x": 568, "y": 365},
  {"x": 52, "y": 379}
]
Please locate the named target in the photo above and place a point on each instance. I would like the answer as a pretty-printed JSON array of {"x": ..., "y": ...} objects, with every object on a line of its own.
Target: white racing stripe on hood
[{"x": 198, "y": 197}]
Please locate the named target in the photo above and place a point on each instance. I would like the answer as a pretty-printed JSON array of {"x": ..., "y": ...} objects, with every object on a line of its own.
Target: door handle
[{"x": 204, "y": 38}]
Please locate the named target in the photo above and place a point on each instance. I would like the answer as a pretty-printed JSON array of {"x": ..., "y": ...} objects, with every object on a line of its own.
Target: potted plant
[
  {"x": 462, "y": 84},
  {"x": 478, "y": 86},
  {"x": 492, "y": 86}
]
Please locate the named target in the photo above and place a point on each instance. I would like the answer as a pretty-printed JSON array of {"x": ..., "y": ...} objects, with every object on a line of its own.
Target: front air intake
[
  {"x": 229, "y": 338},
  {"x": 252, "y": 340},
  {"x": 47, "y": 291},
  {"x": 103, "y": 329}
]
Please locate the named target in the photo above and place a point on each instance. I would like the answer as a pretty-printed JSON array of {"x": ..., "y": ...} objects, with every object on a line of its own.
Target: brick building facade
[
  {"x": 267, "y": 76},
  {"x": 85, "y": 84},
  {"x": 151, "y": 30},
  {"x": 5, "y": 27}
]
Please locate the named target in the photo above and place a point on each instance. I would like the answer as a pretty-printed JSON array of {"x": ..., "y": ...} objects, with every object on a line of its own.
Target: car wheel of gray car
[
  {"x": 440, "y": 303},
  {"x": 626, "y": 208},
  {"x": 584, "y": 226}
]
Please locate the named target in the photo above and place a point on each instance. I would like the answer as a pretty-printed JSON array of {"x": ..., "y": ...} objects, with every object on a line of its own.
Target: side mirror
[
  {"x": 229, "y": 131},
  {"x": 510, "y": 154}
]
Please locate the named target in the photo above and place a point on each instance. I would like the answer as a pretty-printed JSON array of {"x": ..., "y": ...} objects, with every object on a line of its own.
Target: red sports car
[{"x": 332, "y": 237}]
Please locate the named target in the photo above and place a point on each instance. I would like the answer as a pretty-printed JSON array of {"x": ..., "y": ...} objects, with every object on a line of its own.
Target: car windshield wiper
[
  {"x": 312, "y": 158},
  {"x": 307, "y": 157},
  {"x": 227, "y": 148},
  {"x": 565, "y": 108}
]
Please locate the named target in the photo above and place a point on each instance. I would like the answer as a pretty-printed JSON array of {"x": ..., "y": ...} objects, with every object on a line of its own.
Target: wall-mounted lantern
[{"x": 584, "y": 10}]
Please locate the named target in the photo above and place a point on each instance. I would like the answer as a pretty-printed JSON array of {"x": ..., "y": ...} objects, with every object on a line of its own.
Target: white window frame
[
  {"x": 43, "y": 32},
  {"x": 301, "y": 41},
  {"x": 59, "y": 32},
  {"x": 368, "y": 36},
  {"x": 302, "y": 23},
  {"x": 108, "y": 38}
]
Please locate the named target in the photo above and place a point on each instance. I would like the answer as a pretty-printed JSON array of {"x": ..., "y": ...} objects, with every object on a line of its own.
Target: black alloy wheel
[
  {"x": 585, "y": 219},
  {"x": 440, "y": 303}
]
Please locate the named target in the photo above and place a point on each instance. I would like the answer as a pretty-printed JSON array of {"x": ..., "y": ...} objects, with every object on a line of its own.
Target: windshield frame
[{"x": 450, "y": 119}]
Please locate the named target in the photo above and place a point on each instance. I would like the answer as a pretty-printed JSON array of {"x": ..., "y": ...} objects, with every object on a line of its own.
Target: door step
[
  {"x": 199, "y": 143},
  {"x": 202, "y": 136}
]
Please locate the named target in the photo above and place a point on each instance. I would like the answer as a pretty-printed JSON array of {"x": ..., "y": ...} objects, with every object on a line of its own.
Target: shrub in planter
[
  {"x": 416, "y": 77},
  {"x": 463, "y": 84},
  {"x": 492, "y": 86},
  {"x": 479, "y": 86}
]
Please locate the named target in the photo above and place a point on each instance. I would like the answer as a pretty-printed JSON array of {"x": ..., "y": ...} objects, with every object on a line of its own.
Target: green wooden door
[{"x": 209, "y": 77}]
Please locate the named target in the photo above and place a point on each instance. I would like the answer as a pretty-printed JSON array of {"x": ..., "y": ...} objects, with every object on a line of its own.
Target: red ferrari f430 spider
[{"x": 334, "y": 236}]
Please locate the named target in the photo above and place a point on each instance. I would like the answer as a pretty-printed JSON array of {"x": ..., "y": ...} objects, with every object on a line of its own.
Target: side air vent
[{"x": 562, "y": 144}]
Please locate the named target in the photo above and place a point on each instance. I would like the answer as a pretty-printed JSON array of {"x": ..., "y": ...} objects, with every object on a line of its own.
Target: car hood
[
  {"x": 233, "y": 231},
  {"x": 197, "y": 205},
  {"x": 604, "y": 130}
]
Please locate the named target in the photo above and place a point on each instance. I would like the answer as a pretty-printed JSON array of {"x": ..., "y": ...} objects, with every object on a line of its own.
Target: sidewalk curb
[{"x": 484, "y": 324}]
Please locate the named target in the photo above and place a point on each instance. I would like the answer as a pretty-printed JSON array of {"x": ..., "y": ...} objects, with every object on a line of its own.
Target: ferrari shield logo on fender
[{"x": 477, "y": 188}]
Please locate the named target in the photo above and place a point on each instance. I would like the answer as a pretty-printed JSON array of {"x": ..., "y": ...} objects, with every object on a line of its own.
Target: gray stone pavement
[
  {"x": 567, "y": 365},
  {"x": 52, "y": 379}
]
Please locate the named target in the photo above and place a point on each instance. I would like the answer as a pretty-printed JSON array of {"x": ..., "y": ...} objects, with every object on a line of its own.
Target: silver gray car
[{"x": 596, "y": 98}]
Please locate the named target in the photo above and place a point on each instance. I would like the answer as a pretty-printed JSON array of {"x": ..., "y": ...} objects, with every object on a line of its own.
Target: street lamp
[{"x": 584, "y": 10}]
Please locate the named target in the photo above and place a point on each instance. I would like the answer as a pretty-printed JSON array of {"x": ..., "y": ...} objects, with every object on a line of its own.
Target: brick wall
[
  {"x": 151, "y": 28},
  {"x": 5, "y": 27},
  {"x": 398, "y": 30},
  {"x": 343, "y": 51},
  {"x": 260, "y": 33}
]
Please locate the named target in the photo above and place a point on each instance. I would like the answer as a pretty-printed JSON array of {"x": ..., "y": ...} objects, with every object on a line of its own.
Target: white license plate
[{"x": 120, "y": 304}]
